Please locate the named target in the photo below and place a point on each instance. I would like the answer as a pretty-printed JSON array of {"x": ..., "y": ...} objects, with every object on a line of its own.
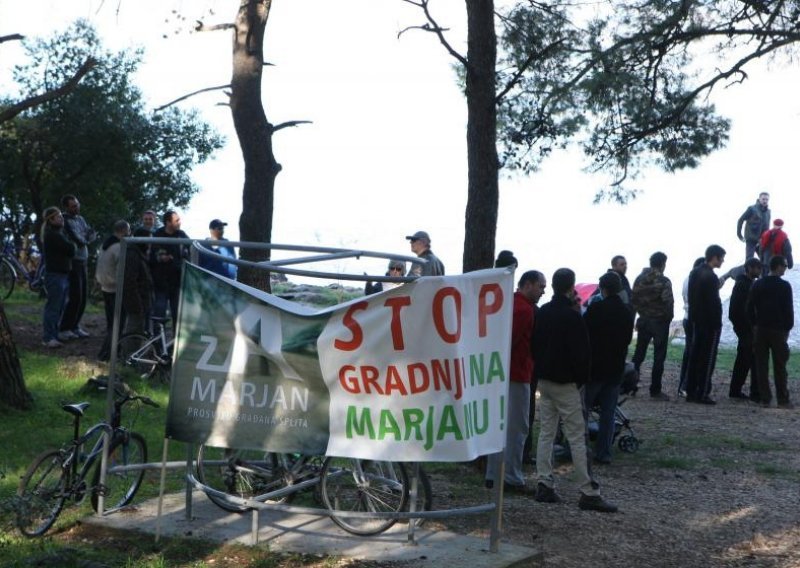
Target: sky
[{"x": 385, "y": 154}]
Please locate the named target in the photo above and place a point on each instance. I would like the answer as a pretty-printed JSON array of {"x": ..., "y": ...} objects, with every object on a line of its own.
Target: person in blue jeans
[
  {"x": 58, "y": 252},
  {"x": 610, "y": 328}
]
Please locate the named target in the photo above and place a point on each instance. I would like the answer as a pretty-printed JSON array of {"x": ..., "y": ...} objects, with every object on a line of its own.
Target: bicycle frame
[
  {"x": 79, "y": 468},
  {"x": 33, "y": 278}
]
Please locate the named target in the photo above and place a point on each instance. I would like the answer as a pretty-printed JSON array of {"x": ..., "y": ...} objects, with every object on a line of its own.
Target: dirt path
[{"x": 709, "y": 486}]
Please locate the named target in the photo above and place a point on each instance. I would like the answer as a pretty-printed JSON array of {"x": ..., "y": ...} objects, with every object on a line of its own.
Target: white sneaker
[
  {"x": 66, "y": 335},
  {"x": 78, "y": 332},
  {"x": 52, "y": 343}
]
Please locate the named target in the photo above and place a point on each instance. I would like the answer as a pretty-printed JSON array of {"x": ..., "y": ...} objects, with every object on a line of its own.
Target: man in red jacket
[
  {"x": 529, "y": 289},
  {"x": 775, "y": 242}
]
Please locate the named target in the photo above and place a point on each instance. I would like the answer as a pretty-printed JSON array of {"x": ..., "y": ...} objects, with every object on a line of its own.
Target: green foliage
[
  {"x": 626, "y": 81},
  {"x": 99, "y": 142}
]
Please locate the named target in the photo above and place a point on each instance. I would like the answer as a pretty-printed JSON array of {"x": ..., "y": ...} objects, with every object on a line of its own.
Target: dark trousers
[
  {"x": 688, "y": 334},
  {"x": 766, "y": 341},
  {"x": 528, "y": 451},
  {"x": 657, "y": 331},
  {"x": 702, "y": 360},
  {"x": 162, "y": 299},
  {"x": 605, "y": 395},
  {"x": 109, "y": 298},
  {"x": 76, "y": 297},
  {"x": 744, "y": 363}
]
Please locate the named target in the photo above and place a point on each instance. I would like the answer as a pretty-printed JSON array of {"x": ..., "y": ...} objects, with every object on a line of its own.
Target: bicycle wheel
[
  {"x": 129, "y": 449},
  {"x": 424, "y": 495},
  {"x": 136, "y": 352},
  {"x": 242, "y": 473},
  {"x": 8, "y": 278},
  {"x": 364, "y": 486},
  {"x": 41, "y": 494}
]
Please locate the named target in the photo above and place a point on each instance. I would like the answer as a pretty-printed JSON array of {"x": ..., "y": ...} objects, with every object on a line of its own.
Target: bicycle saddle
[{"x": 75, "y": 409}]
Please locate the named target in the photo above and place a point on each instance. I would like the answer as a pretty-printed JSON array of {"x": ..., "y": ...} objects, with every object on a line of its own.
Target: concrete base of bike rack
[{"x": 311, "y": 534}]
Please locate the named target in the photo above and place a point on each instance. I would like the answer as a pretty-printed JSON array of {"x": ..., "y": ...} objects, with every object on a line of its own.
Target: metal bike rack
[{"x": 283, "y": 266}]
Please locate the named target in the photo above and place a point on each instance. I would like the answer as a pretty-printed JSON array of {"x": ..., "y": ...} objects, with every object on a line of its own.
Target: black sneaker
[
  {"x": 518, "y": 489},
  {"x": 596, "y": 503},
  {"x": 659, "y": 396},
  {"x": 739, "y": 395},
  {"x": 545, "y": 494},
  {"x": 707, "y": 400},
  {"x": 786, "y": 405}
]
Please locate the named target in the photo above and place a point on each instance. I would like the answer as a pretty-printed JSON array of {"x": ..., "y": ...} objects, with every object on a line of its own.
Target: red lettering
[
  {"x": 394, "y": 382},
  {"x": 486, "y": 309},
  {"x": 423, "y": 383},
  {"x": 397, "y": 304},
  {"x": 349, "y": 382},
  {"x": 439, "y": 313},
  {"x": 370, "y": 375},
  {"x": 350, "y": 323}
]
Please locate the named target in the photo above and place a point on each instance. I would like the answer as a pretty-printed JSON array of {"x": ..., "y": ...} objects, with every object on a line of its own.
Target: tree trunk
[
  {"x": 12, "y": 384},
  {"x": 482, "y": 162},
  {"x": 255, "y": 135}
]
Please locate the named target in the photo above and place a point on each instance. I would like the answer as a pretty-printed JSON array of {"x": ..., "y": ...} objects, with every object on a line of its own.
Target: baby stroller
[
  {"x": 624, "y": 435},
  {"x": 623, "y": 432}
]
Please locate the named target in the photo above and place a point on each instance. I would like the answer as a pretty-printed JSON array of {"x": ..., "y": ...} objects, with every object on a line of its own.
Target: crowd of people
[
  {"x": 151, "y": 272},
  {"x": 575, "y": 353}
]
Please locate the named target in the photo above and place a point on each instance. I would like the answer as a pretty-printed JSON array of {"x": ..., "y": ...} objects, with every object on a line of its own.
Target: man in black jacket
[
  {"x": 610, "y": 332},
  {"x": 562, "y": 362},
  {"x": 771, "y": 309},
  {"x": 705, "y": 317},
  {"x": 166, "y": 263},
  {"x": 743, "y": 328}
]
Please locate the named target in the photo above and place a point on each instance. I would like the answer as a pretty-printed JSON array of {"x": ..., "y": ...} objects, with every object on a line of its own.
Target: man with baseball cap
[
  {"x": 216, "y": 228},
  {"x": 421, "y": 246}
]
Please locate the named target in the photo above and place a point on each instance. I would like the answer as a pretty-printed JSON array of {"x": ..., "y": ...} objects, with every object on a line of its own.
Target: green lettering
[
  {"x": 388, "y": 425},
  {"x": 496, "y": 367},
  {"x": 449, "y": 424},
  {"x": 476, "y": 369},
  {"x": 480, "y": 429},
  {"x": 360, "y": 426},
  {"x": 413, "y": 418}
]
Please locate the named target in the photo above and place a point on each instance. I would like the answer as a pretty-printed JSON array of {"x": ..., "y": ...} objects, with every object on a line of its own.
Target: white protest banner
[{"x": 417, "y": 373}]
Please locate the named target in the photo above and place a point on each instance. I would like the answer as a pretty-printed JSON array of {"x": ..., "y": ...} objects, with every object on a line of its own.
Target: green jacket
[{"x": 652, "y": 295}]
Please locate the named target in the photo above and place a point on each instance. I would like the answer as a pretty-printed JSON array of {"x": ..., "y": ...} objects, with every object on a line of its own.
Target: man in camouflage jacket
[{"x": 652, "y": 299}]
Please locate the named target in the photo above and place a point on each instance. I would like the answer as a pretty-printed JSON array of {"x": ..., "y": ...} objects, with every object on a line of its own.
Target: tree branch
[
  {"x": 11, "y": 37},
  {"x": 434, "y": 27},
  {"x": 201, "y": 27},
  {"x": 184, "y": 97},
  {"x": 14, "y": 110},
  {"x": 289, "y": 124}
]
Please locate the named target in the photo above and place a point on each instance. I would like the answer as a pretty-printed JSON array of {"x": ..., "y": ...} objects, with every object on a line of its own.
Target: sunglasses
[{"x": 395, "y": 268}]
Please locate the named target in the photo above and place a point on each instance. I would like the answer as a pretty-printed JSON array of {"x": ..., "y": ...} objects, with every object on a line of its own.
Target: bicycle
[
  {"x": 150, "y": 356},
  {"x": 12, "y": 269},
  {"x": 57, "y": 476},
  {"x": 252, "y": 474},
  {"x": 342, "y": 484}
]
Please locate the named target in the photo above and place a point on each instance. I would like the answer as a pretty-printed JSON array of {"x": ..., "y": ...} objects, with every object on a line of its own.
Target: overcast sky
[{"x": 386, "y": 153}]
